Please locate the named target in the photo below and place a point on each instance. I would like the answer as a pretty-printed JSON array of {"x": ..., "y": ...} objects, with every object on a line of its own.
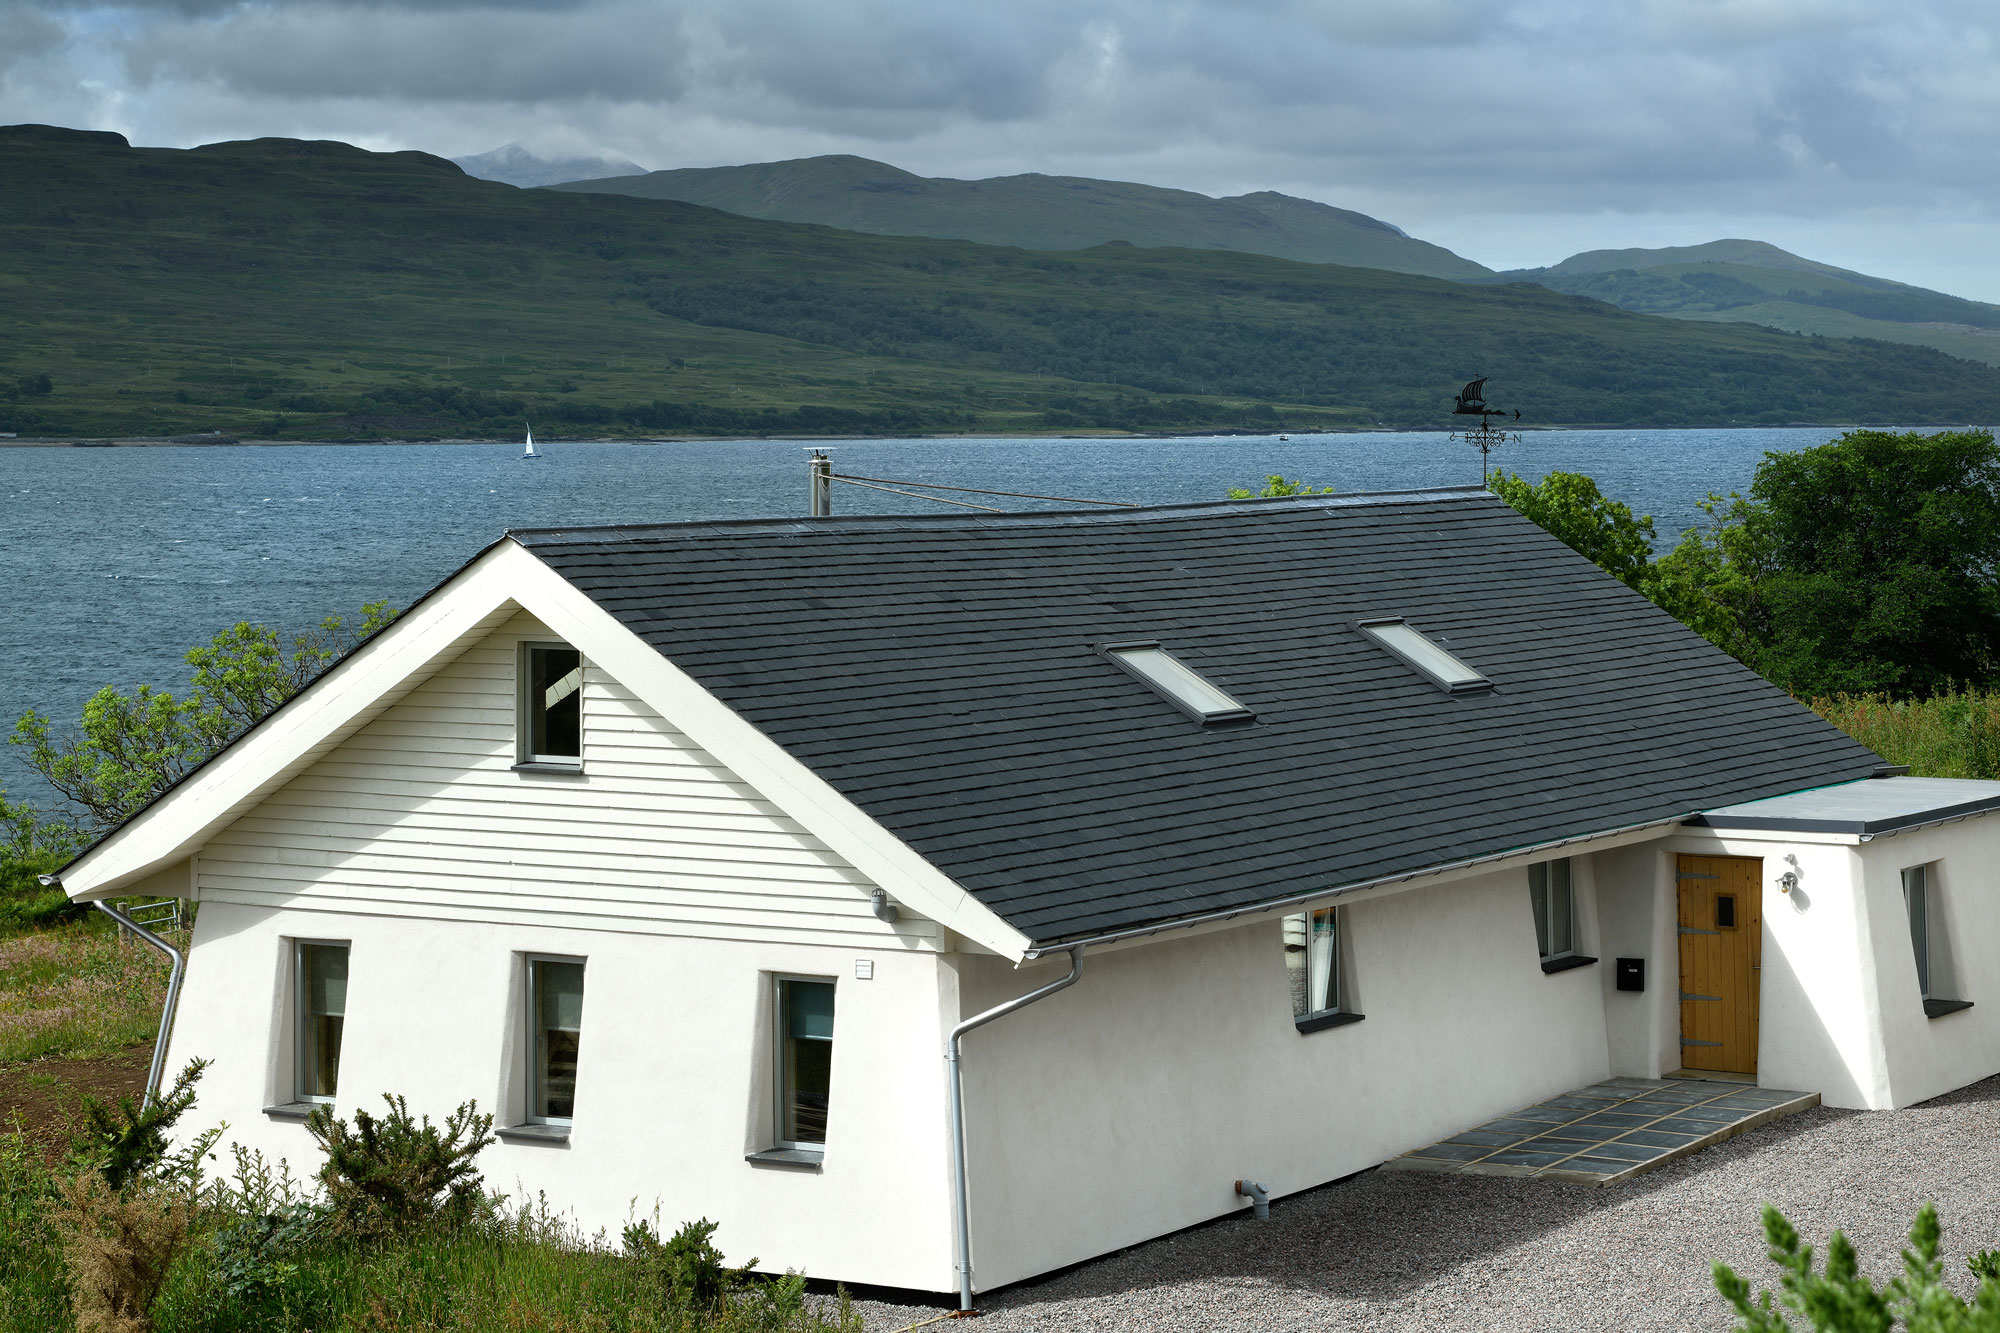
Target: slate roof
[{"x": 940, "y": 672}]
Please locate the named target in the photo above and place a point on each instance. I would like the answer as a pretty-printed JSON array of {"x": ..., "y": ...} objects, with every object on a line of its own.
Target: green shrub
[
  {"x": 1841, "y": 1299},
  {"x": 396, "y": 1176},
  {"x": 127, "y": 1142},
  {"x": 1955, "y": 734}
]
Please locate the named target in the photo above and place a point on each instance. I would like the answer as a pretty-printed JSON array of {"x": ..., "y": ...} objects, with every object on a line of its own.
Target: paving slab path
[{"x": 1420, "y": 1251}]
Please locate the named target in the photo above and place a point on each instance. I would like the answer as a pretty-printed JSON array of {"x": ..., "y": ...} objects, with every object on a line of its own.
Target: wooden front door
[{"x": 1722, "y": 940}]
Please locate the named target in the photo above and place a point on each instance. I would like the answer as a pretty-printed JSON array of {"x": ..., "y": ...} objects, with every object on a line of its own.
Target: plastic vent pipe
[
  {"x": 1259, "y": 1197},
  {"x": 956, "y": 1067}
]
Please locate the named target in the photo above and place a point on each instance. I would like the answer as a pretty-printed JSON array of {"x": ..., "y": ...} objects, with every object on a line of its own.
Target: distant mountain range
[
  {"x": 1038, "y": 212},
  {"x": 1750, "y": 282},
  {"x": 1747, "y": 282},
  {"x": 291, "y": 289},
  {"x": 512, "y": 164}
]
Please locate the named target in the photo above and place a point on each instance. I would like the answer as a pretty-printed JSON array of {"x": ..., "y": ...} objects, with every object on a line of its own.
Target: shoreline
[{"x": 238, "y": 442}]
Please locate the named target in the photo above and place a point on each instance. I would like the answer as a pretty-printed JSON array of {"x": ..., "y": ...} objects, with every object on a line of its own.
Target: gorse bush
[
  {"x": 127, "y": 1141},
  {"x": 393, "y": 1176},
  {"x": 118, "y": 1245}
]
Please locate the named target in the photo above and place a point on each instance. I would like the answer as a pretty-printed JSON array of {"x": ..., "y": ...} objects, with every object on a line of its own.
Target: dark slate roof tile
[{"x": 941, "y": 674}]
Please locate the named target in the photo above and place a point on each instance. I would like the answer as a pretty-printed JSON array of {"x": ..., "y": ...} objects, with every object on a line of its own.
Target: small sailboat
[{"x": 531, "y": 455}]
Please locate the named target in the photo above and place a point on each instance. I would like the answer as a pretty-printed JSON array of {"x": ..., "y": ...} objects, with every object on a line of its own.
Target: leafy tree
[
  {"x": 1869, "y": 564},
  {"x": 1571, "y": 508},
  {"x": 129, "y": 748},
  {"x": 1842, "y": 1300},
  {"x": 1277, "y": 488}
]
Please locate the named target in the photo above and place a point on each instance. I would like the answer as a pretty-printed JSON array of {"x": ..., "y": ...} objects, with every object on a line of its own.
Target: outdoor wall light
[{"x": 1788, "y": 884}]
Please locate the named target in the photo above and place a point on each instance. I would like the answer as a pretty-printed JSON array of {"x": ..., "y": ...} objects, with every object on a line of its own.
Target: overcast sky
[{"x": 1859, "y": 132}]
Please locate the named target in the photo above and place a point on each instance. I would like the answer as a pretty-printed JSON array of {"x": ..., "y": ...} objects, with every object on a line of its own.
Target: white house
[{"x": 1319, "y": 828}]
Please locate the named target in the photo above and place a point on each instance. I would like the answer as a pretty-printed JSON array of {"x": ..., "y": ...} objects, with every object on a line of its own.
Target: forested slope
[{"x": 284, "y": 287}]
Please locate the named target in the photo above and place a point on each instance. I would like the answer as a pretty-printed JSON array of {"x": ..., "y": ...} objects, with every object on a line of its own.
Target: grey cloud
[{"x": 1412, "y": 108}]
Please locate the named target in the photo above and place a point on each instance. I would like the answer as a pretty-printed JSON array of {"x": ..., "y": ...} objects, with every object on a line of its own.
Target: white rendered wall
[
  {"x": 673, "y": 1083},
  {"x": 1929, "y": 1056},
  {"x": 421, "y": 814},
  {"x": 1124, "y": 1107},
  {"x": 1637, "y": 915},
  {"x": 1819, "y": 1019}
]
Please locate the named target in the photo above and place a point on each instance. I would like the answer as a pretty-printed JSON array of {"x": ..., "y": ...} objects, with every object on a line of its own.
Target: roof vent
[
  {"x": 1450, "y": 674},
  {"x": 1176, "y": 682}
]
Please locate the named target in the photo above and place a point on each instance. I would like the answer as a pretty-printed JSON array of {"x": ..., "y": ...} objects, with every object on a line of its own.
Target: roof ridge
[{"x": 1047, "y": 517}]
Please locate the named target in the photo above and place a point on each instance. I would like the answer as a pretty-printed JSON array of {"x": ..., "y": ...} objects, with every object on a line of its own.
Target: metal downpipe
[
  {"x": 951, "y": 1057},
  {"x": 173, "y": 991}
]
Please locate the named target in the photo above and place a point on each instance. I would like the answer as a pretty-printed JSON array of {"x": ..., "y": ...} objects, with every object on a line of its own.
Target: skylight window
[
  {"x": 1176, "y": 682},
  {"x": 1418, "y": 650}
]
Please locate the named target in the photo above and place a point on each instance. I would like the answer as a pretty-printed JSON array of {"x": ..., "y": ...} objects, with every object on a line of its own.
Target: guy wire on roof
[{"x": 974, "y": 490}]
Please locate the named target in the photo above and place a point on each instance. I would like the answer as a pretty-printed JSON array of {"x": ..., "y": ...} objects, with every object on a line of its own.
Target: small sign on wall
[{"x": 864, "y": 969}]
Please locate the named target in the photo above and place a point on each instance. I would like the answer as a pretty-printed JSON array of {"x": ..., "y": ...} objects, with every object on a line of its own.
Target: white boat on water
[{"x": 531, "y": 454}]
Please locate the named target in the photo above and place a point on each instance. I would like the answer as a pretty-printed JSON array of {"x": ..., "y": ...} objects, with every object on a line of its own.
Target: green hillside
[
  {"x": 314, "y": 290},
  {"x": 1041, "y": 212},
  {"x": 1752, "y": 282}
]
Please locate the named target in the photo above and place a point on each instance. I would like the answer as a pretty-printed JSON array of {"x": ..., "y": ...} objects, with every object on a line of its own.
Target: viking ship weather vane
[{"x": 1471, "y": 402}]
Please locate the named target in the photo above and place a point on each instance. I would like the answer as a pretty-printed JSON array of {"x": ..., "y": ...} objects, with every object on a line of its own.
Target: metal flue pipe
[
  {"x": 173, "y": 992},
  {"x": 957, "y": 1070},
  {"x": 822, "y": 485}
]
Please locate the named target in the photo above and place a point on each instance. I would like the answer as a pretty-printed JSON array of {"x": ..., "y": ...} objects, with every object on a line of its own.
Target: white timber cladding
[{"x": 421, "y": 813}]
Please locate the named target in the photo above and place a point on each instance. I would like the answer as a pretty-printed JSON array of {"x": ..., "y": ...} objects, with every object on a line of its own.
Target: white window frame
[
  {"x": 524, "y": 707},
  {"x": 1545, "y": 920},
  {"x": 1920, "y": 907},
  {"x": 1324, "y": 974},
  {"x": 1194, "y": 694},
  {"x": 532, "y": 1012},
  {"x": 1423, "y": 653},
  {"x": 780, "y": 1091},
  {"x": 302, "y": 1016}
]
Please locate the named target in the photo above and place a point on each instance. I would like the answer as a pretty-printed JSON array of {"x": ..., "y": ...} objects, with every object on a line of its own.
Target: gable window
[
  {"x": 1314, "y": 967},
  {"x": 555, "y": 1010},
  {"x": 319, "y": 970},
  {"x": 804, "y": 1049},
  {"x": 1176, "y": 682},
  {"x": 1423, "y": 653},
  {"x": 1554, "y": 903},
  {"x": 551, "y": 705},
  {"x": 1927, "y": 942}
]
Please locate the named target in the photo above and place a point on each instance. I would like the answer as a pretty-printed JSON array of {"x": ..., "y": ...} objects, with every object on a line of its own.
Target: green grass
[
  {"x": 1954, "y": 735},
  {"x": 75, "y": 992},
  {"x": 524, "y": 1273},
  {"x": 300, "y": 290},
  {"x": 1797, "y": 318}
]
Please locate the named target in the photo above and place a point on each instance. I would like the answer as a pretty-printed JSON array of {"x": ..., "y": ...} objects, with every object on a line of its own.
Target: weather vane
[{"x": 1471, "y": 402}]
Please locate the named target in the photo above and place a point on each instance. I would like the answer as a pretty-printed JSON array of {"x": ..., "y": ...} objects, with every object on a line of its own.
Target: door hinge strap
[
  {"x": 1697, "y": 930},
  {"x": 1690, "y": 1041},
  {"x": 1686, "y": 996},
  {"x": 1695, "y": 874}
]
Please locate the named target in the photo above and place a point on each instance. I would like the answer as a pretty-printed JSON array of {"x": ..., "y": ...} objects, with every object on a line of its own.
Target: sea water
[{"x": 114, "y": 561}]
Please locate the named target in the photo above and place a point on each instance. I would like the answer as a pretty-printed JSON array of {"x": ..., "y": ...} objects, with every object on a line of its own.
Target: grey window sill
[
  {"x": 810, "y": 1158},
  {"x": 1939, "y": 1008},
  {"x": 543, "y": 766},
  {"x": 289, "y": 1110},
  {"x": 1320, "y": 1022},
  {"x": 534, "y": 1133},
  {"x": 1575, "y": 960}
]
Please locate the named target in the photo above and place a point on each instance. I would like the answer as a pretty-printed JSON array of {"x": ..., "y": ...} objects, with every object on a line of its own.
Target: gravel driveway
[{"x": 1406, "y": 1251}]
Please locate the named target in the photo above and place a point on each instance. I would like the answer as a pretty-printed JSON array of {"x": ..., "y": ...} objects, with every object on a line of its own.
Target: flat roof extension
[{"x": 1866, "y": 809}]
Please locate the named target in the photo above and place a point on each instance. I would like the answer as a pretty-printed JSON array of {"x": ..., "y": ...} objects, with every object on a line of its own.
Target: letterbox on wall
[{"x": 1631, "y": 974}]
